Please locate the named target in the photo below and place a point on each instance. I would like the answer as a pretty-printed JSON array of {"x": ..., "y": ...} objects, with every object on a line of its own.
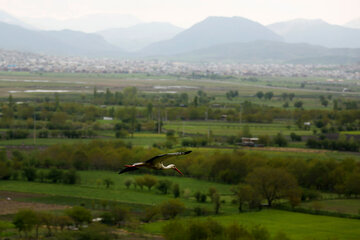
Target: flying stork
[{"x": 155, "y": 163}]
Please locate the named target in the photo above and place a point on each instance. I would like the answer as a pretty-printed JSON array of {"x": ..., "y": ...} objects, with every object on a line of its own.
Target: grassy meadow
[
  {"x": 297, "y": 226},
  {"x": 91, "y": 190}
]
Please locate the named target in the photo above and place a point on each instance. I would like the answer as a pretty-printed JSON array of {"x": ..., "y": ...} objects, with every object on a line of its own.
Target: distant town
[{"x": 29, "y": 62}]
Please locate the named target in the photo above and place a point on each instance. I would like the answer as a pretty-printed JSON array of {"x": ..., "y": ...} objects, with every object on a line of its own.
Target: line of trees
[{"x": 234, "y": 167}]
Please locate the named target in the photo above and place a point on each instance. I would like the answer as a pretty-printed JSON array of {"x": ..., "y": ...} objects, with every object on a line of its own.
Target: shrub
[
  {"x": 55, "y": 175},
  {"x": 25, "y": 220},
  {"x": 29, "y": 173},
  {"x": 200, "y": 211},
  {"x": 80, "y": 215},
  {"x": 150, "y": 214},
  {"x": 171, "y": 208},
  {"x": 176, "y": 190},
  {"x": 163, "y": 186},
  {"x": 149, "y": 181},
  {"x": 108, "y": 182},
  {"x": 71, "y": 177},
  {"x": 128, "y": 182}
]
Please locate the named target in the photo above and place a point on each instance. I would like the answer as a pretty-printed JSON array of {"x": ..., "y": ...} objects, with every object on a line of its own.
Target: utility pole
[
  {"x": 159, "y": 125},
  {"x": 34, "y": 129}
]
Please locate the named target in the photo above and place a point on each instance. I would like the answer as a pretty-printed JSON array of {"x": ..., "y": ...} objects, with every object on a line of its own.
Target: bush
[
  {"x": 128, "y": 182},
  {"x": 71, "y": 177},
  {"x": 200, "y": 211},
  {"x": 55, "y": 175},
  {"x": 25, "y": 220},
  {"x": 176, "y": 190},
  {"x": 163, "y": 186},
  {"x": 17, "y": 134},
  {"x": 171, "y": 208},
  {"x": 149, "y": 181},
  {"x": 108, "y": 182},
  {"x": 29, "y": 173},
  {"x": 5, "y": 171},
  {"x": 120, "y": 215},
  {"x": 150, "y": 214},
  {"x": 121, "y": 133},
  {"x": 80, "y": 215},
  {"x": 280, "y": 140}
]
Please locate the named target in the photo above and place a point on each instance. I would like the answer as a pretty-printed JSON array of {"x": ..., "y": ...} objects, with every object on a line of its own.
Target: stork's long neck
[{"x": 168, "y": 166}]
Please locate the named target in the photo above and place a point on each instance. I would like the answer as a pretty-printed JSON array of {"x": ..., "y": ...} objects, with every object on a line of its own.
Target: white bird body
[{"x": 155, "y": 163}]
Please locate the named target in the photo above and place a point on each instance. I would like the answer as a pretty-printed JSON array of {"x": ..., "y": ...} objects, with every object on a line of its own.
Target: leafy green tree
[
  {"x": 271, "y": 183},
  {"x": 5, "y": 171},
  {"x": 108, "y": 182},
  {"x": 163, "y": 186},
  {"x": 242, "y": 194},
  {"x": 128, "y": 182},
  {"x": 259, "y": 94},
  {"x": 149, "y": 181},
  {"x": 211, "y": 192},
  {"x": 139, "y": 181},
  {"x": 120, "y": 215},
  {"x": 71, "y": 177},
  {"x": 30, "y": 173},
  {"x": 55, "y": 175},
  {"x": 25, "y": 221},
  {"x": 298, "y": 104},
  {"x": 280, "y": 140},
  {"x": 217, "y": 202},
  {"x": 268, "y": 95},
  {"x": 352, "y": 184},
  {"x": 80, "y": 215},
  {"x": 176, "y": 190},
  {"x": 171, "y": 208}
]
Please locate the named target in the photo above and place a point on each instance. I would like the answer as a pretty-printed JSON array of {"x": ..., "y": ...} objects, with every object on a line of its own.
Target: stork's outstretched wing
[
  {"x": 128, "y": 169},
  {"x": 165, "y": 156}
]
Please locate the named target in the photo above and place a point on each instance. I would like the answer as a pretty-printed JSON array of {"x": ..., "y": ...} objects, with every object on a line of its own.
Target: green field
[
  {"x": 349, "y": 206},
  {"x": 89, "y": 189},
  {"x": 224, "y": 128},
  {"x": 297, "y": 226}
]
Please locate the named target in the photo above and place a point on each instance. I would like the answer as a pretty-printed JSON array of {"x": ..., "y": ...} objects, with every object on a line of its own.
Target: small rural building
[{"x": 250, "y": 142}]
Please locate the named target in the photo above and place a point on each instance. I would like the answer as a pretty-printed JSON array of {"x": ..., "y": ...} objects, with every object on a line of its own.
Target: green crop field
[
  {"x": 297, "y": 226},
  {"x": 225, "y": 128}
]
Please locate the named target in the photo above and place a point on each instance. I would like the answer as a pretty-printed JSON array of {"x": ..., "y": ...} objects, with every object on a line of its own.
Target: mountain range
[
  {"x": 212, "y": 31},
  {"x": 141, "y": 35},
  {"x": 9, "y": 19},
  {"x": 353, "y": 24},
  {"x": 215, "y": 39},
  {"x": 65, "y": 42},
  {"x": 317, "y": 32},
  {"x": 88, "y": 23},
  {"x": 273, "y": 52}
]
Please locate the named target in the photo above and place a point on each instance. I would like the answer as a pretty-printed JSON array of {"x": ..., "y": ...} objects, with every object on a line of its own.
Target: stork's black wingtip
[{"x": 187, "y": 152}]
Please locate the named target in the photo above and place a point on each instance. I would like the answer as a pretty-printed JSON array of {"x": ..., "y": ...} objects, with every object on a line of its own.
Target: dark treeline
[{"x": 342, "y": 177}]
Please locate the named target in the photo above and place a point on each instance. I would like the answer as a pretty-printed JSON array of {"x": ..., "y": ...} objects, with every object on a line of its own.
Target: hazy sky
[{"x": 184, "y": 13}]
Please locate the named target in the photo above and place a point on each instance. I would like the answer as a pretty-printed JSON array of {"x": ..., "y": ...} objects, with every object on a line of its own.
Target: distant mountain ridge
[
  {"x": 139, "y": 36},
  {"x": 212, "y": 31},
  {"x": 64, "y": 42},
  {"x": 353, "y": 24},
  {"x": 273, "y": 52},
  {"x": 89, "y": 23},
  {"x": 9, "y": 19},
  {"x": 317, "y": 32}
]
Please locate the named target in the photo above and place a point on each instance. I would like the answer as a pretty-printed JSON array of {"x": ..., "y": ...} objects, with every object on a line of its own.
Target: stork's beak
[{"x": 178, "y": 171}]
